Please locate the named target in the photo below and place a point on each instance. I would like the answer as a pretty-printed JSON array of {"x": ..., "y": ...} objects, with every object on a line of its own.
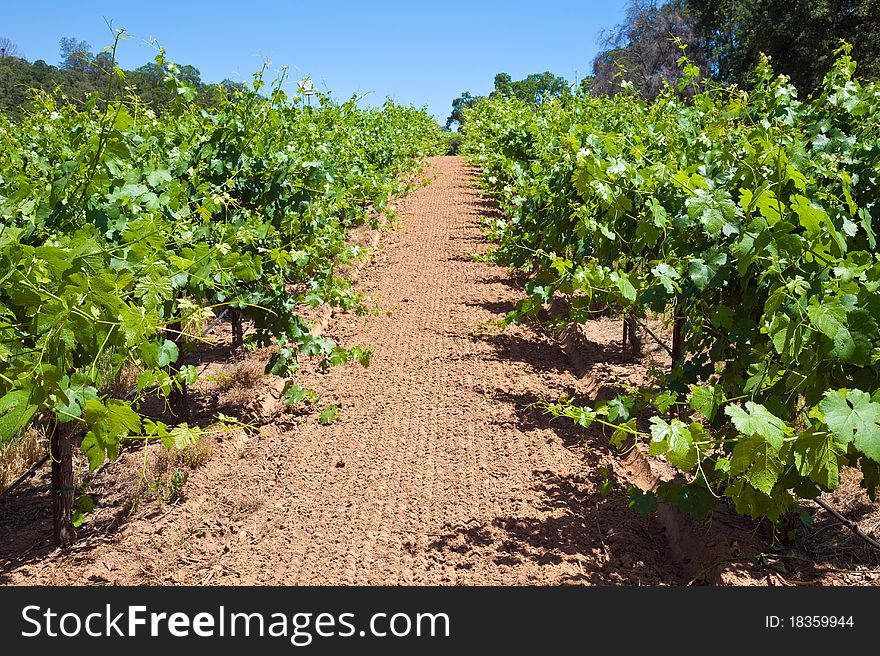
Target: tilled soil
[{"x": 437, "y": 471}]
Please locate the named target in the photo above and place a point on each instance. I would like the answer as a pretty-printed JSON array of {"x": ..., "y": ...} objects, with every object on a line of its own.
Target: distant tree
[
  {"x": 461, "y": 103},
  {"x": 799, "y": 35},
  {"x": 147, "y": 82},
  {"x": 75, "y": 54},
  {"x": 82, "y": 73},
  {"x": 503, "y": 84},
  {"x": 231, "y": 85},
  {"x": 586, "y": 84},
  {"x": 9, "y": 48},
  {"x": 643, "y": 48},
  {"x": 533, "y": 89},
  {"x": 19, "y": 79}
]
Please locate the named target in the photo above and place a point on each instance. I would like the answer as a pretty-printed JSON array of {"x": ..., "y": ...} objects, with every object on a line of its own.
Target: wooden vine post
[
  {"x": 178, "y": 399},
  {"x": 630, "y": 336},
  {"x": 236, "y": 320},
  {"x": 632, "y": 345},
  {"x": 61, "y": 449},
  {"x": 677, "y": 339}
]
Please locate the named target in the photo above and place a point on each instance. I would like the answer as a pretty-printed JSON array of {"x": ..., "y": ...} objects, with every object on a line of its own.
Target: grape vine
[
  {"x": 747, "y": 218},
  {"x": 121, "y": 229}
]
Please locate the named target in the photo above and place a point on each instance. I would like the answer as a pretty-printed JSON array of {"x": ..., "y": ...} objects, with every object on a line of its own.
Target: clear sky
[{"x": 418, "y": 52}]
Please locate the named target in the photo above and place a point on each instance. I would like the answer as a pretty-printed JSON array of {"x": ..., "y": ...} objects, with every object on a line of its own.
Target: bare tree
[
  {"x": 9, "y": 48},
  {"x": 75, "y": 53},
  {"x": 643, "y": 48}
]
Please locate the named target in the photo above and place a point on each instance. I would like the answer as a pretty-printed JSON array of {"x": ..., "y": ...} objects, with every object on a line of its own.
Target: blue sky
[{"x": 424, "y": 53}]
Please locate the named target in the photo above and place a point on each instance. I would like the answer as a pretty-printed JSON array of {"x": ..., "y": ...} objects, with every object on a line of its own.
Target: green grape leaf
[
  {"x": 870, "y": 477},
  {"x": 77, "y": 390},
  {"x": 706, "y": 399},
  {"x": 625, "y": 285},
  {"x": 122, "y": 418},
  {"x": 166, "y": 353},
  {"x": 188, "y": 374},
  {"x": 810, "y": 217},
  {"x": 715, "y": 209},
  {"x": 82, "y": 505},
  {"x": 829, "y": 318},
  {"x": 755, "y": 503},
  {"x": 756, "y": 420},
  {"x": 17, "y": 408},
  {"x": 758, "y": 461},
  {"x": 620, "y": 408},
  {"x": 93, "y": 449},
  {"x": 622, "y": 433},
  {"x": 703, "y": 270},
  {"x": 158, "y": 176},
  {"x": 667, "y": 276},
  {"x": 816, "y": 457},
  {"x": 642, "y": 502},
  {"x": 768, "y": 205},
  {"x": 328, "y": 415},
  {"x": 182, "y": 436},
  {"x": 294, "y": 394},
  {"x": 852, "y": 416},
  {"x": 692, "y": 499},
  {"x": 665, "y": 400},
  {"x": 57, "y": 259},
  {"x": 362, "y": 355},
  {"x": 153, "y": 290},
  {"x": 672, "y": 439}
]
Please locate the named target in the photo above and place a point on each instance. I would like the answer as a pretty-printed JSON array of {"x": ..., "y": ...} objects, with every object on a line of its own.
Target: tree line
[
  {"x": 723, "y": 38},
  {"x": 80, "y": 73}
]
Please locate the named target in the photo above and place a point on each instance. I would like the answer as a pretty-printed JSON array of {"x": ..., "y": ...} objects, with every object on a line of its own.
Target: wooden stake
[
  {"x": 677, "y": 338},
  {"x": 236, "y": 319},
  {"x": 178, "y": 399},
  {"x": 631, "y": 339},
  {"x": 62, "y": 483}
]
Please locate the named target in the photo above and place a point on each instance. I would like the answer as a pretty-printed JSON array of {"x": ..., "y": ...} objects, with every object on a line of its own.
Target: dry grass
[
  {"x": 192, "y": 457},
  {"x": 242, "y": 447},
  {"x": 828, "y": 541},
  {"x": 169, "y": 469},
  {"x": 237, "y": 387},
  {"x": 17, "y": 456},
  {"x": 124, "y": 382},
  {"x": 244, "y": 375},
  {"x": 197, "y": 323}
]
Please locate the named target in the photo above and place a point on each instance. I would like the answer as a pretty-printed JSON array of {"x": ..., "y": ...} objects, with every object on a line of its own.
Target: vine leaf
[
  {"x": 829, "y": 318},
  {"x": 184, "y": 435},
  {"x": 852, "y": 416},
  {"x": 166, "y": 353},
  {"x": 758, "y": 461},
  {"x": 757, "y": 421},
  {"x": 706, "y": 399},
  {"x": 815, "y": 456},
  {"x": 16, "y": 411},
  {"x": 328, "y": 415},
  {"x": 673, "y": 440},
  {"x": 715, "y": 209}
]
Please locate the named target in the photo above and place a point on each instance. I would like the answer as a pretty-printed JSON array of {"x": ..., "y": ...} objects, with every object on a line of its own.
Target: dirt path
[{"x": 437, "y": 472}]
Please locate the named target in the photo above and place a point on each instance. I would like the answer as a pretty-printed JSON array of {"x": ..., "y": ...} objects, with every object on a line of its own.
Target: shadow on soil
[
  {"x": 601, "y": 539},
  {"x": 26, "y": 521},
  {"x": 598, "y": 538},
  {"x": 26, "y": 530},
  {"x": 588, "y": 533}
]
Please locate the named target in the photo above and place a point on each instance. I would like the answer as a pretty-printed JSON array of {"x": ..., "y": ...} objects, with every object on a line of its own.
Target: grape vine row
[
  {"x": 122, "y": 230},
  {"x": 748, "y": 219}
]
